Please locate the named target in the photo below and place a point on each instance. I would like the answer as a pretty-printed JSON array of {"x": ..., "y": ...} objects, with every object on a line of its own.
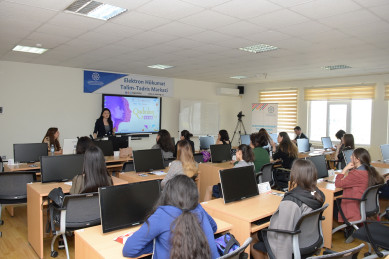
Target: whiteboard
[{"x": 199, "y": 117}]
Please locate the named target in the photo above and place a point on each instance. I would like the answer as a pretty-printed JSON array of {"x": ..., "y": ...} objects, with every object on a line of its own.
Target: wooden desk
[
  {"x": 133, "y": 177},
  {"x": 380, "y": 164},
  {"x": 242, "y": 214},
  {"x": 210, "y": 175},
  {"x": 92, "y": 243},
  {"x": 36, "y": 193},
  {"x": 317, "y": 152}
]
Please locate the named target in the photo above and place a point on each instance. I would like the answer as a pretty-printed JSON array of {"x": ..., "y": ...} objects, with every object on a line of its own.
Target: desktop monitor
[
  {"x": 320, "y": 164},
  {"x": 122, "y": 206},
  {"x": 61, "y": 168},
  {"x": 238, "y": 183},
  {"x": 206, "y": 142},
  {"x": 220, "y": 153},
  {"x": 148, "y": 160},
  {"x": 245, "y": 139},
  {"x": 385, "y": 152},
  {"x": 29, "y": 153},
  {"x": 327, "y": 143},
  {"x": 274, "y": 136},
  {"x": 347, "y": 155},
  {"x": 118, "y": 142},
  {"x": 69, "y": 146},
  {"x": 106, "y": 146},
  {"x": 303, "y": 145}
]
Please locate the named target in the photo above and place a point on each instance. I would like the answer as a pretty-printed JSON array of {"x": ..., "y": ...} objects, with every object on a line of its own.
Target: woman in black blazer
[{"x": 104, "y": 125}]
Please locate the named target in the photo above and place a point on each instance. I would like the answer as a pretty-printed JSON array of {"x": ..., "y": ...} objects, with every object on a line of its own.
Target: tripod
[{"x": 239, "y": 125}]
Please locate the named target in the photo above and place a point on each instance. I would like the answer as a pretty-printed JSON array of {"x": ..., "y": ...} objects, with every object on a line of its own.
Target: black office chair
[
  {"x": 167, "y": 161},
  {"x": 307, "y": 235},
  {"x": 128, "y": 166},
  {"x": 79, "y": 211},
  {"x": 198, "y": 157},
  {"x": 266, "y": 174},
  {"x": 236, "y": 254},
  {"x": 13, "y": 188},
  {"x": 347, "y": 254},
  {"x": 281, "y": 178},
  {"x": 1, "y": 165}
]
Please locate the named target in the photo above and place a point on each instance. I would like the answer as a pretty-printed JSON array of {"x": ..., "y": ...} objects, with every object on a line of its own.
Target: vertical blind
[
  {"x": 387, "y": 91},
  {"x": 287, "y": 107},
  {"x": 339, "y": 93}
]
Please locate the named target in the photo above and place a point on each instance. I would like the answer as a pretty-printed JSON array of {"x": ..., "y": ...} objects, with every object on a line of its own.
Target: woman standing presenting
[{"x": 104, "y": 125}]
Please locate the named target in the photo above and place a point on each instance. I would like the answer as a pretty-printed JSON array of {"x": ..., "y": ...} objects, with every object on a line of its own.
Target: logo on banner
[
  {"x": 95, "y": 80},
  {"x": 95, "y": 76},
  {"x": 271, "y": 109}
]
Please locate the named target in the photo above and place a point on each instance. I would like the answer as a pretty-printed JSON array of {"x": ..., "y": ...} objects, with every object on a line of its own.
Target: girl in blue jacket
[{"x": 178, "y": 228}]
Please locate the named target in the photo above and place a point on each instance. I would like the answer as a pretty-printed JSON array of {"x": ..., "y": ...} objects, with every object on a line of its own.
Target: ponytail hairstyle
[
  {"x": 187, "y": 238},
  {"x": 304, "y": 175},
  {"x": 224, "y": 135},
  {"x": 186, "y": 134},
  {"x": 287, "y": 146},
  {"x": 185, "y": 155},
  {"x": 52, "y": 140},
  {"x": 247, "y": 153},
  {"x": 348, "y": 140},
  {"x": 165, "y": 141},
  {"x": 364, "y": 157}
]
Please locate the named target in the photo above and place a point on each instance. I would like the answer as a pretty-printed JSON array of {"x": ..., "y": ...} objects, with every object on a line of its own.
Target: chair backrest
[
  {"x": 311, "y": 237},
  {"x": 128, "y": 167},
  {"x": 347, "y": 254},
  {"x": 198, "y": 157},
  {"x": 371, "y": 204},
  {"x": 13, "y": 186},
  {"x": 1, "y": 167},
  {"x": 236, "y": 253},
  {"x": 167, "y": 161},
  {"x": 82, "y": 210},
  {"x": 267, "y": 173}
]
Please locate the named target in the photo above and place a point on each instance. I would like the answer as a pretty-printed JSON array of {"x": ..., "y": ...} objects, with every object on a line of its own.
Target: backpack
[
  {"x": 226, "y": 244},
  {"x": 54, "y": 201}
]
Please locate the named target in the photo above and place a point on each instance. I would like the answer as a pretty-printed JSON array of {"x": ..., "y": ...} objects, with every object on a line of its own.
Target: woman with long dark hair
[
  {"x": 287, "y": 151},
  {"x": 223, "y": 138},
  {"x": 104, "y": 125},
  {"x": 347, "y": 143},
  {"x": 178, "y": 227},
  {"x": 95, "y": 173},
  {"x": 83, "y": 144},
  {"x": 165, "y": 143},
  {"x": 303, "y": 197},
  {"x": 51, "y": 138},
  {"x": 261, "y": 157},
  {"x": 185, "y": 135}
]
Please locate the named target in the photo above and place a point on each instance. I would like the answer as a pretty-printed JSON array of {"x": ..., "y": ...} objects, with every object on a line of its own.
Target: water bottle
[{"x": 52, "y": 149}]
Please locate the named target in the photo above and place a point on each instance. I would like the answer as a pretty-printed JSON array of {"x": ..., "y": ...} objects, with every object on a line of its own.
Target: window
[
  {"x": 287, "y": 107},
  {"x": 329, "y": 111}
]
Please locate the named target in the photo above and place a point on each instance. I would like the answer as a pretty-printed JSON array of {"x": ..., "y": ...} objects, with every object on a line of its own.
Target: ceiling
[{"x": 200, "y": 38}]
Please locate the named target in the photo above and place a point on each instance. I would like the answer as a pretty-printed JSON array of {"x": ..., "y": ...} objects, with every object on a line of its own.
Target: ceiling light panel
[
  {"x": 335, "y": 67},
  {"x": 28, "y": 49},
  {"x": 159, "y": 66},
  {"x": 94, "y": 9},
  {"x": 259, "y": 48}
]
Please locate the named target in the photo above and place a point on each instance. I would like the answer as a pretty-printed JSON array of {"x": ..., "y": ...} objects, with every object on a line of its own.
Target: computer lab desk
[
  {"x": 133, "y": 177},
  {"x": 242, "y": 214},
  {"x": 93, "y": 243},
  {"x": 36, "y": 212}
]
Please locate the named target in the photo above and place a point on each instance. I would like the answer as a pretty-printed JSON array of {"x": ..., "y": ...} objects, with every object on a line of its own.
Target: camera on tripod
[{"x": 240, "y": 115}]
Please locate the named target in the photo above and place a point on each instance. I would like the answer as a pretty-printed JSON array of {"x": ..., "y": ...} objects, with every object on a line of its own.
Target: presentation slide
[{"x": 134, "y": 114}]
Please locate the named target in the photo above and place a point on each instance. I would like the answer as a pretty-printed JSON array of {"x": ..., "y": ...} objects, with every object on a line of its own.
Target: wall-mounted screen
[{"x": 134, "y": 114}]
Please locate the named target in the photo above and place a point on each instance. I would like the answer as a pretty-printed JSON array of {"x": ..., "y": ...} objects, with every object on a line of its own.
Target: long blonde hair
[{"x": 185, "y": 155}]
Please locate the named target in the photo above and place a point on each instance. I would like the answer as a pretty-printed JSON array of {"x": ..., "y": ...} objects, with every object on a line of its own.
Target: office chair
[
  {"x": 347, "y": 254},
  {"x": 79, "y": 211},
  {"x": 281, "y": 178},
  {"x": 167, "y": 161},
  {"x": 128, "y": 166},
  {"x": 307, "y": 239},
  {"x": 236, "y": 253},
  {"x": 198, "y": 157},
  {"x": 369, "y": 206},
  {"x": 13, "y": 188},
  {"x": 266, "y": 174}
]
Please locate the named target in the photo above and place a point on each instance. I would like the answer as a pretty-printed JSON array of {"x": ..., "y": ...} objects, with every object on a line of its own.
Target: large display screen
[{"x": 134, "y": 114}]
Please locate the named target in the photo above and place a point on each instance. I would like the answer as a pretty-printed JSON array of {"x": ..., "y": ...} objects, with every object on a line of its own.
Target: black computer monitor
[
  {"x": 385, "y": 152},
  {"x": 220, "y": 153},
  {"x": 118, "y": 142},
  {"x": 238, "y": 183},
  {"x": 30, "y": 152},
  {"x": 303, "y": 145},
  {"x": 245, "y": 139},
  {"x": 206, "y": 142},
  {"x": 61, "y": 168},
  {"x": 320, "y": 164},
  {"x": 327, "y": 143},
  {"x": 122, "y": 206},
  {"x": 347, "y": 155},
  {"x": 148, "y": 160},
  {"x": 106, "y": 146}
]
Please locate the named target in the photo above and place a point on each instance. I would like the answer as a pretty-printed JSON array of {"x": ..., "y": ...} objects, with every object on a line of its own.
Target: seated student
[
  {"x": 104, "y": 125},
  {"x": 268, "y": 138},
  {"x": 178, "y": 227},
  {"x": 348, "y": 143},
  {"x": 185, "y": 135},
  {"x": 287, "y": 151},
  {"x": 299, "y": 134},
  {"x": 51, "y": 138},
  {"x": 184, "y": 164},
  {"x": 95, "y": 173},
  {"x": 355, "y": 178},
  {"x": 261, "y": 156},
  {"x": 223, "y": 138},
  {"x": 244, "y": 157},
  {"x": 165, "y": 143},
  {"x": 303, "y": 198},
  {"x": 83, "y": 144},
  {"x": 339, "y": 147}
]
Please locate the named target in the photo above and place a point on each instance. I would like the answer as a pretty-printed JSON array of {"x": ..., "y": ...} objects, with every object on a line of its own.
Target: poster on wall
[
  {"x": 127, "y": 84},
  {"x": 264, "y": 115}
]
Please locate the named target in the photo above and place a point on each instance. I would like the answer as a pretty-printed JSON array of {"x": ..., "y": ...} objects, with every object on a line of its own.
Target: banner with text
[
  {"x": 127, "y": 84},
  {"x": 264, "y": 115}
]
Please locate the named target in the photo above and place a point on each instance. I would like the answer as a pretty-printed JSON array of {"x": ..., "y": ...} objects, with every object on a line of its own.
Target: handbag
[
  {"x": 226, "y": 244},
  {"x": 55, "y": 201}
]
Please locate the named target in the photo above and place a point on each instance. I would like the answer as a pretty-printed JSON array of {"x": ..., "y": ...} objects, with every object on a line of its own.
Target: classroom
[{"x": 201, "y": 40}]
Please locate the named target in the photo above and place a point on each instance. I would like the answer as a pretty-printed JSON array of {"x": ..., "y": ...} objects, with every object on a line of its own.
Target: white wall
[
  {"x": 380, "y": 106},
  {"x": 35, "y": 97}
]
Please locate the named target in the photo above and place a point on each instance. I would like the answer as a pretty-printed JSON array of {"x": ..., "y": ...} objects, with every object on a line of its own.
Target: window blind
[
  {"x": 339, "y": 93},
  {"x": 386, "y": 91},
  {"x": 287, "y": 107}
]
